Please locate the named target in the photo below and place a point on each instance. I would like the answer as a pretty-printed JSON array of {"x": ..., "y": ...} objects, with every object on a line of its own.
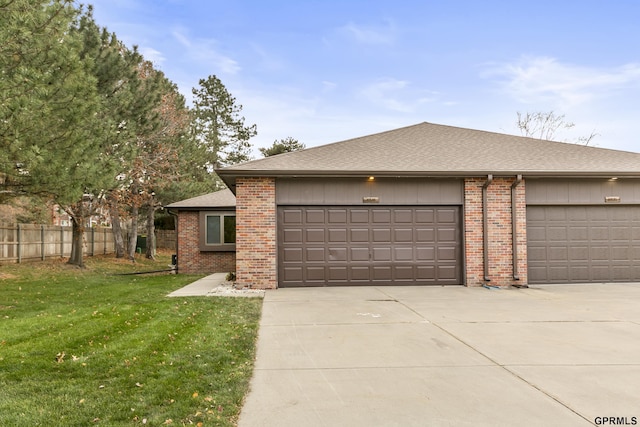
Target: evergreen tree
[
  {"x": 218, "y": 126},
  {"x": 285, "y": 145}
]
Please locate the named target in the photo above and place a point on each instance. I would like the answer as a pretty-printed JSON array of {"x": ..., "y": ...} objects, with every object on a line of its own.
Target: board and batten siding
[
  {"x": 582, "y": 191},
  {"x": 360, "y": 191}
]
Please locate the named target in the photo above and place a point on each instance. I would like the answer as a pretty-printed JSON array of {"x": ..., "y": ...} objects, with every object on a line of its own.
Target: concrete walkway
[
  {"x": 447, "y": 356},
  {"x": 215, "y": 285}
]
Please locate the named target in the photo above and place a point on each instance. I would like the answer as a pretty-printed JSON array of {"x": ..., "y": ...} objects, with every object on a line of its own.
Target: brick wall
[
  {"x": 256, "y": 233},
  {"x": 190, "y": 259},
  {"x": 499, "y": 232}
]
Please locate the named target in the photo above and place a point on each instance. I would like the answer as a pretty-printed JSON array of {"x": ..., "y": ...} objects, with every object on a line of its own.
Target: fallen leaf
[
  {"x": 169, "y": 421},
  {"x": 195, "y": 394}
]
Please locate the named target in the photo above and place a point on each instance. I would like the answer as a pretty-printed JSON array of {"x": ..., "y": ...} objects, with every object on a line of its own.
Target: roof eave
[{"x": 229, "y": 176}]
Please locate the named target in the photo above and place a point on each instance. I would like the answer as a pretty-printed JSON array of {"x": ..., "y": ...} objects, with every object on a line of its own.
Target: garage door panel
[
  {"x": 359, "y": 254},
  {"x": 315, "y": 216},
  {"x": 447, "y": 235},
  {"x": 381, "y": 216},
  {"x": 359, "y": 235},
  {"x": 320, "y": 246},
  {"x": 314, "y": 254},
  {"x": 579, "y": 253},
  {"x": 293, "y": 216},
  {"x": 382, "y": 254},
  {"x": 403, "y": 273},
  {"x": 602, "y": 243},
  {"x": 292, "y": 255},
  {"x": 403, "y": 235},
  {"x": 382, "y": 235},
  {"x": 314, "y": 235},
  {"x": 446, "y": 216},
  {"x": 315, "y": 274},
  {"x": 360, "y": 273},
  {"x": 403, "y": 216},
  {"x": 403, "y": 254},
  {"x": 293, "y": 273},
  {"x": 359, "y": 216},
  {"x": 426, "y": 254},
  {"x": 338, "y": 273},
  {"x": 293, "y": 235},
  {"x": 337, "y": 254},
  {"x": 382, "y": 273},
  {"x": 337, "y": 235},
  {"x": 446, "y": 272},
  {"x": 425, "y": 216},
  {"x": 425, "y": 235},
  {"x": 337, "y": 216}
]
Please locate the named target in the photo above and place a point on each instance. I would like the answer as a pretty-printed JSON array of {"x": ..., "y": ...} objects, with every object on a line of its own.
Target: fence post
[
  {"x": 93, "y": 241},
  {"x": 19, "y": 248},
  {"x": 42, "y": 242},
  {"x": 61, "y": 242},
  {"x": 104, "y": 240}
]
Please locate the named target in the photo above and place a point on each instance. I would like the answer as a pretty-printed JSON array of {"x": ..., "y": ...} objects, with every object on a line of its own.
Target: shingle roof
[
  {"x": 439, "y": 150},
  {"x": 219, "y": 199}
]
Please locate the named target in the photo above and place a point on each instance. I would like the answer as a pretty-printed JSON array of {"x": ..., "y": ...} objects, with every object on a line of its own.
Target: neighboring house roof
[
  {"x": 428, "y": 149},
  {"x": 219, "y": 199}
]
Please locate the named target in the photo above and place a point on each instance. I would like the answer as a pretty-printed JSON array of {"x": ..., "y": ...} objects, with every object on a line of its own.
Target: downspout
[
  {"x": 176, "y": 223},
  {"x": 514, "y": 227},
  {"x": 485, "y": 227}
]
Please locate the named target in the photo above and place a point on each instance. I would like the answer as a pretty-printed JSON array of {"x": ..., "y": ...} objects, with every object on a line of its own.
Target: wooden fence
[
  {"x": 29, "y": 242},
  {"x": 166, "y": 239}
]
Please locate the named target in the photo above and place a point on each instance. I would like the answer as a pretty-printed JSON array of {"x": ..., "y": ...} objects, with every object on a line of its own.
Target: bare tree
[{"x": 544, "y": 125}]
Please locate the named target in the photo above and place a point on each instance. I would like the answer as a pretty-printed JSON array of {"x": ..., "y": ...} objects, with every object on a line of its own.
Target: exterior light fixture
[{"x": 371, "y": 178}]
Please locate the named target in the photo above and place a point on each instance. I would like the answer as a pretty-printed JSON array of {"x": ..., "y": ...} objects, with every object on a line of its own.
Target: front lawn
[{"x": 88, "y": 347}]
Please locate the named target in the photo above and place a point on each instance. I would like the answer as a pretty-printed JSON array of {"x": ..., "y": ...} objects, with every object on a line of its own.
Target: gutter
[
  {"x": 514, "y": 227},
  {"x": 485, "y": 227}
]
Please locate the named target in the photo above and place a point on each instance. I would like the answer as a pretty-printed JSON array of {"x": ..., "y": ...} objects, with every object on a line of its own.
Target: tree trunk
[
  {"x": 77, "y": 239},
  {"x": 116, "y": 227},
  {"x": 133, "y": 235},
  {"x": 151, "y": 231}
]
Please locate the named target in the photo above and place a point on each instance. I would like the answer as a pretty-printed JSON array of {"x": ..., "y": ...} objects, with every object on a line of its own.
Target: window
[
  {"x": 217, "y": 231},
  {"x": 221, "y": 229}
]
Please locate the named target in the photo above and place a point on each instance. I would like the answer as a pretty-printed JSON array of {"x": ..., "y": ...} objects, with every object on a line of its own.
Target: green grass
[{"x": 89, "y": 347}]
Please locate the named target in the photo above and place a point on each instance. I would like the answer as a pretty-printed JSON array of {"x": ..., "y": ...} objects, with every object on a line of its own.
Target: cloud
[
  {"x": 396, "y": 95},
  {"x": 204, "y": 51},
  {"x": 543, "y": 79},
  {"x": 150, "y": 54},
  {"x": 371, "y": 35}
]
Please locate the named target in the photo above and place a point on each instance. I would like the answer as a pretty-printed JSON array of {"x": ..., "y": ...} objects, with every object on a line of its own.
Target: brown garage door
[
  {"x": 581, "y": 244},
  {"x": 332, "y": 246}
]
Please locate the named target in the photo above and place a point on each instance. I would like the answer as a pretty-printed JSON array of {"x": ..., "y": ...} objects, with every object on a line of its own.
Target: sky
[{"x": 323, "y": 71}]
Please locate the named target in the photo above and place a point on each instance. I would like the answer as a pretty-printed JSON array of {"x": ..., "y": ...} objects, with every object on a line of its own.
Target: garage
[
  {"x": 365, "y": 245},
  {"x": 593, "y": 239}
]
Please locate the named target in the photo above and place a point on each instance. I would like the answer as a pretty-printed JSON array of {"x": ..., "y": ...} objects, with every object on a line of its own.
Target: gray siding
[
  {"x": 582, "y": 192},
  {"x": 353, "y": 191}
]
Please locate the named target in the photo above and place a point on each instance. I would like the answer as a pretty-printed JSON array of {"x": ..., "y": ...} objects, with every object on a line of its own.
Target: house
[
  {"x": 206, "y": 233},
  {"x": 433, "y": 205}
]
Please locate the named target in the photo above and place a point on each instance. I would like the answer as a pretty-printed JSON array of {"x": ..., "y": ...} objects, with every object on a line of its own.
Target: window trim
[{"x": 218, "y": 247}]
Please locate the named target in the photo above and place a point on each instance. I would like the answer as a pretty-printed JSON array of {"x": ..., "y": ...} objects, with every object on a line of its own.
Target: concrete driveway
[{"x": 561, "y": 355}]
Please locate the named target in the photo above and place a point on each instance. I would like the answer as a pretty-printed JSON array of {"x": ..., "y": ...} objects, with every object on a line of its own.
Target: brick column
[
  {"x": 499, "y": 232},
  {"x": 256, "y": 265}
]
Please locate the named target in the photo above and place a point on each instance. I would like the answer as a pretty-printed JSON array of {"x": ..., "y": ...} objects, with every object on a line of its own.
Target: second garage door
[
  {"x": 332, "y": 246},
  {"x": 581, "y": 244}
]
